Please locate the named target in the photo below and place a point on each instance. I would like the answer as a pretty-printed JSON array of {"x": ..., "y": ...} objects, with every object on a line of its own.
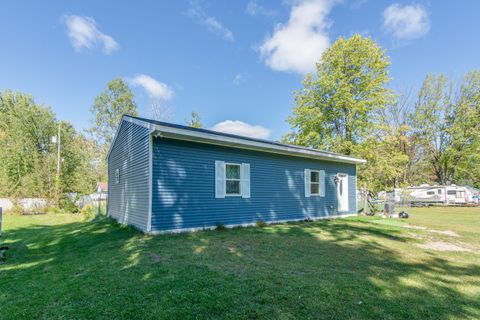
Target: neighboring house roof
[
  {"x": 180, "y": 132},
  {"x": 103, "y": 186}
]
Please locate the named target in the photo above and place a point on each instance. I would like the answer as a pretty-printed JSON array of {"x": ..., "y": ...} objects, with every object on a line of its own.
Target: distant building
[
  {"x": 434, "y": 194},
  {"x": 102, "y": 187}
]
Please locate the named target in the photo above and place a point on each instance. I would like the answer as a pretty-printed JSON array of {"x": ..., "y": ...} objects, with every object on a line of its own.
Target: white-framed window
[
  {"x": 117, "y": 175},
  {"x": 314, "y": 183},
  {"x": 233, "y": 178}
]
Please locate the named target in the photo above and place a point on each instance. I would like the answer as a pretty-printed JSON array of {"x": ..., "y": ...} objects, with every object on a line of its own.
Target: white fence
[{"x": 29, "y": 205}]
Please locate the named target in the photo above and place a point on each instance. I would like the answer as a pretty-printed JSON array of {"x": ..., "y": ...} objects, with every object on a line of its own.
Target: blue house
[{"x": 165, "y": 177}]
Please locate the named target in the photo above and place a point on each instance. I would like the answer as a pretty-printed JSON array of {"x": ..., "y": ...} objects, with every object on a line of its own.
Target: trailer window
[
  {"x": 430, "y": 193},
  {"x": 439, "y": 191},
  {"x": 451, "y": 192}
]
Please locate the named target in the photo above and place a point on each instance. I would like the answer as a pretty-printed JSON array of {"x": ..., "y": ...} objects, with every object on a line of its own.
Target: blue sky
[{"x": 236, "y": 63}]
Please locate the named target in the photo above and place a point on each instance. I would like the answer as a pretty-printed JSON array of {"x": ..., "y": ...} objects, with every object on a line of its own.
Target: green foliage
[
  {"x": 67, "y": 204},
  {"x": 28, "y": 161},
  {"x": 195, "y": 121},
  {"x": 220, "y": 227},
  {"x": 336, "y": 110},
  {"x": 108, "y": 108},
  {"x": 88, "y": 212},
  {"x": 53, "y": 210},
  {"x": 261, "y": 224},
  {"x": 446, "y": 128},
  {"x": 347, "y": 108}
]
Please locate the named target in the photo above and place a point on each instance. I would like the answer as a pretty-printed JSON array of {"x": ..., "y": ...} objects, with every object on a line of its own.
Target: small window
[
  {"x": 314, "y": 182},
  {"x": 451, "y": 192},
  {"x": 439, "y": 191},
  {"x": 117, "y": 175},
  {"x": 431, "y": 193},
  {"x": 232, "y": 179}
]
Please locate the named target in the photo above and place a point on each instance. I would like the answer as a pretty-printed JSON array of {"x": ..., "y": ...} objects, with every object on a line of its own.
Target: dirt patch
[
  {"x": 414, "y": 227},
  {"x": 446, "y": 232},
  {"x": 443, "y": 246},
  {"x": 443, "y": 232}
]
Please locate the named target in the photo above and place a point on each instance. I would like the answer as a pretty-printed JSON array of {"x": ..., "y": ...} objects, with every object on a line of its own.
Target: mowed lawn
[{"x": 61, "y": 266}]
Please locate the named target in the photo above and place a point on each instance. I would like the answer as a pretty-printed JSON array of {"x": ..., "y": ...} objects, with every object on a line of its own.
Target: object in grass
[
  {"x": 403, "y": 215},
  {"x": 3, "y": 253},
  {"x": 220, "y": 227},
  {"x": 261, "y": 224},
  {"x": 308, "y": 219}
]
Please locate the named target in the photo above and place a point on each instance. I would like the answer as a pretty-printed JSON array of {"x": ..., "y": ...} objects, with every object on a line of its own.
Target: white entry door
[{"x": 342, "y": 192}]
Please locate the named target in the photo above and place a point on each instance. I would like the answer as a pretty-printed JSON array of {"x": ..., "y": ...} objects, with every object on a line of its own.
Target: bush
[
  {"x": 220, "y": 227},
  {"x": 52, "y": 209},
  {"x": 88, "y": 212},
  {"x": 261, "y": 224},
  {"x": 16, "y": 209},
  {"x": 67, "y": 204}
]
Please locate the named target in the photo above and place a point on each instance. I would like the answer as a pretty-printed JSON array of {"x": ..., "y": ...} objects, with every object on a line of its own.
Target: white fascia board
[
  {"x": 141, "y": 123},
  {"x": 211, "y": 138}
]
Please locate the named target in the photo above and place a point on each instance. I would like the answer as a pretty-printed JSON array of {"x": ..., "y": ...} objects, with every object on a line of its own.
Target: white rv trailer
[{"x": 450, "y": 194}]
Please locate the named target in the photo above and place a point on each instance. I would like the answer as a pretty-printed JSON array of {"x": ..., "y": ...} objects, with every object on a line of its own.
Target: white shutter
[
  {"x": 307, "y": 183},
  {"x": 321, "y": 183},
  {"x": 219, "y": 179},
  {"x": 245, "y": 177}
]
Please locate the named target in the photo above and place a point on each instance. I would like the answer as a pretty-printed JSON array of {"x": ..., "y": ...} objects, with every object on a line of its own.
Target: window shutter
[
  {"x": 307, "y": 183},
  {"x": 219, "y": 179},
  {"x": 245, "y": 176},
  {"x": 321, "y": 183}
]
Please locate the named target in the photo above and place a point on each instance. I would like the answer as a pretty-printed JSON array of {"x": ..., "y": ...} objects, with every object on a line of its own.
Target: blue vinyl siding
[
  {"x": 184, "y": 187},
  {"x": 128, "y": 201}
]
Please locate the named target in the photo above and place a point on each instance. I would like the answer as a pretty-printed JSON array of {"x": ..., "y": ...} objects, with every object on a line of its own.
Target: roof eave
[
  {"x": 232, "y": 141},
  {"x": 210, "y": 138}
]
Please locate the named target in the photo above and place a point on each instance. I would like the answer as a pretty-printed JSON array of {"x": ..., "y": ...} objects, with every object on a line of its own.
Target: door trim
[{"x": 342, "y": 175}]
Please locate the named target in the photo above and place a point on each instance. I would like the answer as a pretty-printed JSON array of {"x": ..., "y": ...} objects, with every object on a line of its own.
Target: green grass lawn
[{"x": 60, "y": 266}]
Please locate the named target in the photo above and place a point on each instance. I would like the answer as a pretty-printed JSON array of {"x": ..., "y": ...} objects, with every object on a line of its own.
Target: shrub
[
  {"x": 67, "y": 204},
  {"x": 88, "y": 212},
  {"x": 52, "y": 209},
  {"x": 220, "y": 227},
  {"x": 261, "y": 224},
  {"x": 16, "y": 209}
]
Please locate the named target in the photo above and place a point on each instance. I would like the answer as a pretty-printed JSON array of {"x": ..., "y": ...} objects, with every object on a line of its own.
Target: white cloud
[
  {"x": 242, "y": 129},
  {"x": 238, "y": 79},
  {"x": 154, "y": 88},
  {"x": 84, "y": 34},
  {"x": 406, "y": 22},
  {"x": 211, "y": 23},
  {"x": 297, "y": 45},
  {"x": 254, "y": 9}
]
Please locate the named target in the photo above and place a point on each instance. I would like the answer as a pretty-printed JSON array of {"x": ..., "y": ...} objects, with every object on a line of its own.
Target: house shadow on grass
[{"x": 321, "y": 270}]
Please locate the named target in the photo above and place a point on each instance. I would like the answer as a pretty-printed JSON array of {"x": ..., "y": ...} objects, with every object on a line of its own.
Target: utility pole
[{"x": 58, "y": 164}]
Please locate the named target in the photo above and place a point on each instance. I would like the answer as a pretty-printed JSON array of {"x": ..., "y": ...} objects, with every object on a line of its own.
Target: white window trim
[
  {"x": 239, "y": 194},
  {"x": 117, "y": 176},
  {"x": 317, "y": 183}
]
